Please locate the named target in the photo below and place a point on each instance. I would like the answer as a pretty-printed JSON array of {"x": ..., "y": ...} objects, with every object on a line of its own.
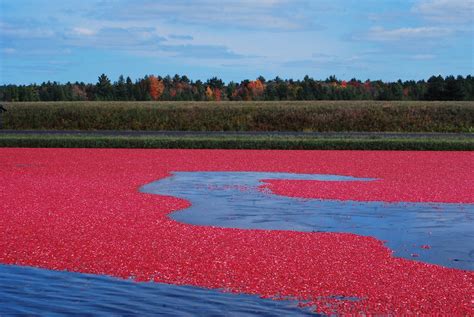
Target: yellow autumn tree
[{"x": 209, "y": 93}]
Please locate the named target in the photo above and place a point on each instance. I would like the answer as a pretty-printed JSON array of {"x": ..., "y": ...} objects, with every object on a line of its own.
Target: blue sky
[{"x": 65, "y": 40}]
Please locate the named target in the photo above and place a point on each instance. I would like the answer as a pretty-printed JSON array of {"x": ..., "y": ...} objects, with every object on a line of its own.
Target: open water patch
[
  {"x": 438, "y": 233},
  {"x": 32, "y": 291}
]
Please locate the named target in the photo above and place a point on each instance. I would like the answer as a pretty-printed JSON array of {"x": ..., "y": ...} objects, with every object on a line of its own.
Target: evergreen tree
[
  {"x": 130, "y": 88},
  {"x": 454, "y": 89},
  {"x": 121, "y": 89},
  {"x": 436, "y": 90},
  {"x": 104, "y": 88}
]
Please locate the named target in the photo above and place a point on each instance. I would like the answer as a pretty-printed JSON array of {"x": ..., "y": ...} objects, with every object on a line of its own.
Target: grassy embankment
[
  {"x": 198, "y": 142},
  {"x": 314, "y": 116}
]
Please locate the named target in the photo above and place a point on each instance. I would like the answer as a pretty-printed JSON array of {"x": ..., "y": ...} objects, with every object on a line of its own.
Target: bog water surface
[
  {"x": 27, "y": 291},
  {"x": 431, "y": 232}
]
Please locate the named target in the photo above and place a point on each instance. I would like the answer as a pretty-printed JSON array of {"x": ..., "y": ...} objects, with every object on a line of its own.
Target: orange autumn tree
[
  {"x": 256, "y": 88},
  {"x": 155, "y": 87},
  {"x": 209, "y": 93}
]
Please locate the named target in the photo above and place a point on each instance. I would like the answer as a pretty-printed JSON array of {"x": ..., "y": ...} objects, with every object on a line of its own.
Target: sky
[{"x": 65, "y": 40}]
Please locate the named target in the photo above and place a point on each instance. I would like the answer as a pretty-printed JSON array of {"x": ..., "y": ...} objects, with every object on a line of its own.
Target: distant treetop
[{"x": 181, "y": 88}]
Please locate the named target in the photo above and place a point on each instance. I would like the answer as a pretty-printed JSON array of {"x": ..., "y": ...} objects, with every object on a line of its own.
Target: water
[
  {"x": 32, "y": 291},
  {"x": 231, "y": 199}
]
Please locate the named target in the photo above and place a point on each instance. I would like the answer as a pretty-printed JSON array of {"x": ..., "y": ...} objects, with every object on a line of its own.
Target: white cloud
[
  {"x": 9, "y": 30},
  {"x": 114, "y": 38},
  {"x": 84, "y": 31},
  {"x": 260, "y": 2},
  {"x": 423, "y": 57},
  {"x": 8, "y": 50},
  {"x": 401, "y": 34},
  {"x": 281, "y": 15},
  {"x": 446, "y": 11}
]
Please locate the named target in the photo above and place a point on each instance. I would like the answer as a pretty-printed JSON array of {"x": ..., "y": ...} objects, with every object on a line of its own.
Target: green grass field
[
  {"x": 307, "y": 116},
  {"x": 237, "y": 142}
]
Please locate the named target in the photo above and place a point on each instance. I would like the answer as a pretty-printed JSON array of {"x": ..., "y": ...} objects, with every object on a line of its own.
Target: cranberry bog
[{"x": 122, "y": 214}]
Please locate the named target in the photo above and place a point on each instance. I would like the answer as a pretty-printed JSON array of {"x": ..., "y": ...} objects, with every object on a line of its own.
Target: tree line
[{"x": 181, "y": 88}]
